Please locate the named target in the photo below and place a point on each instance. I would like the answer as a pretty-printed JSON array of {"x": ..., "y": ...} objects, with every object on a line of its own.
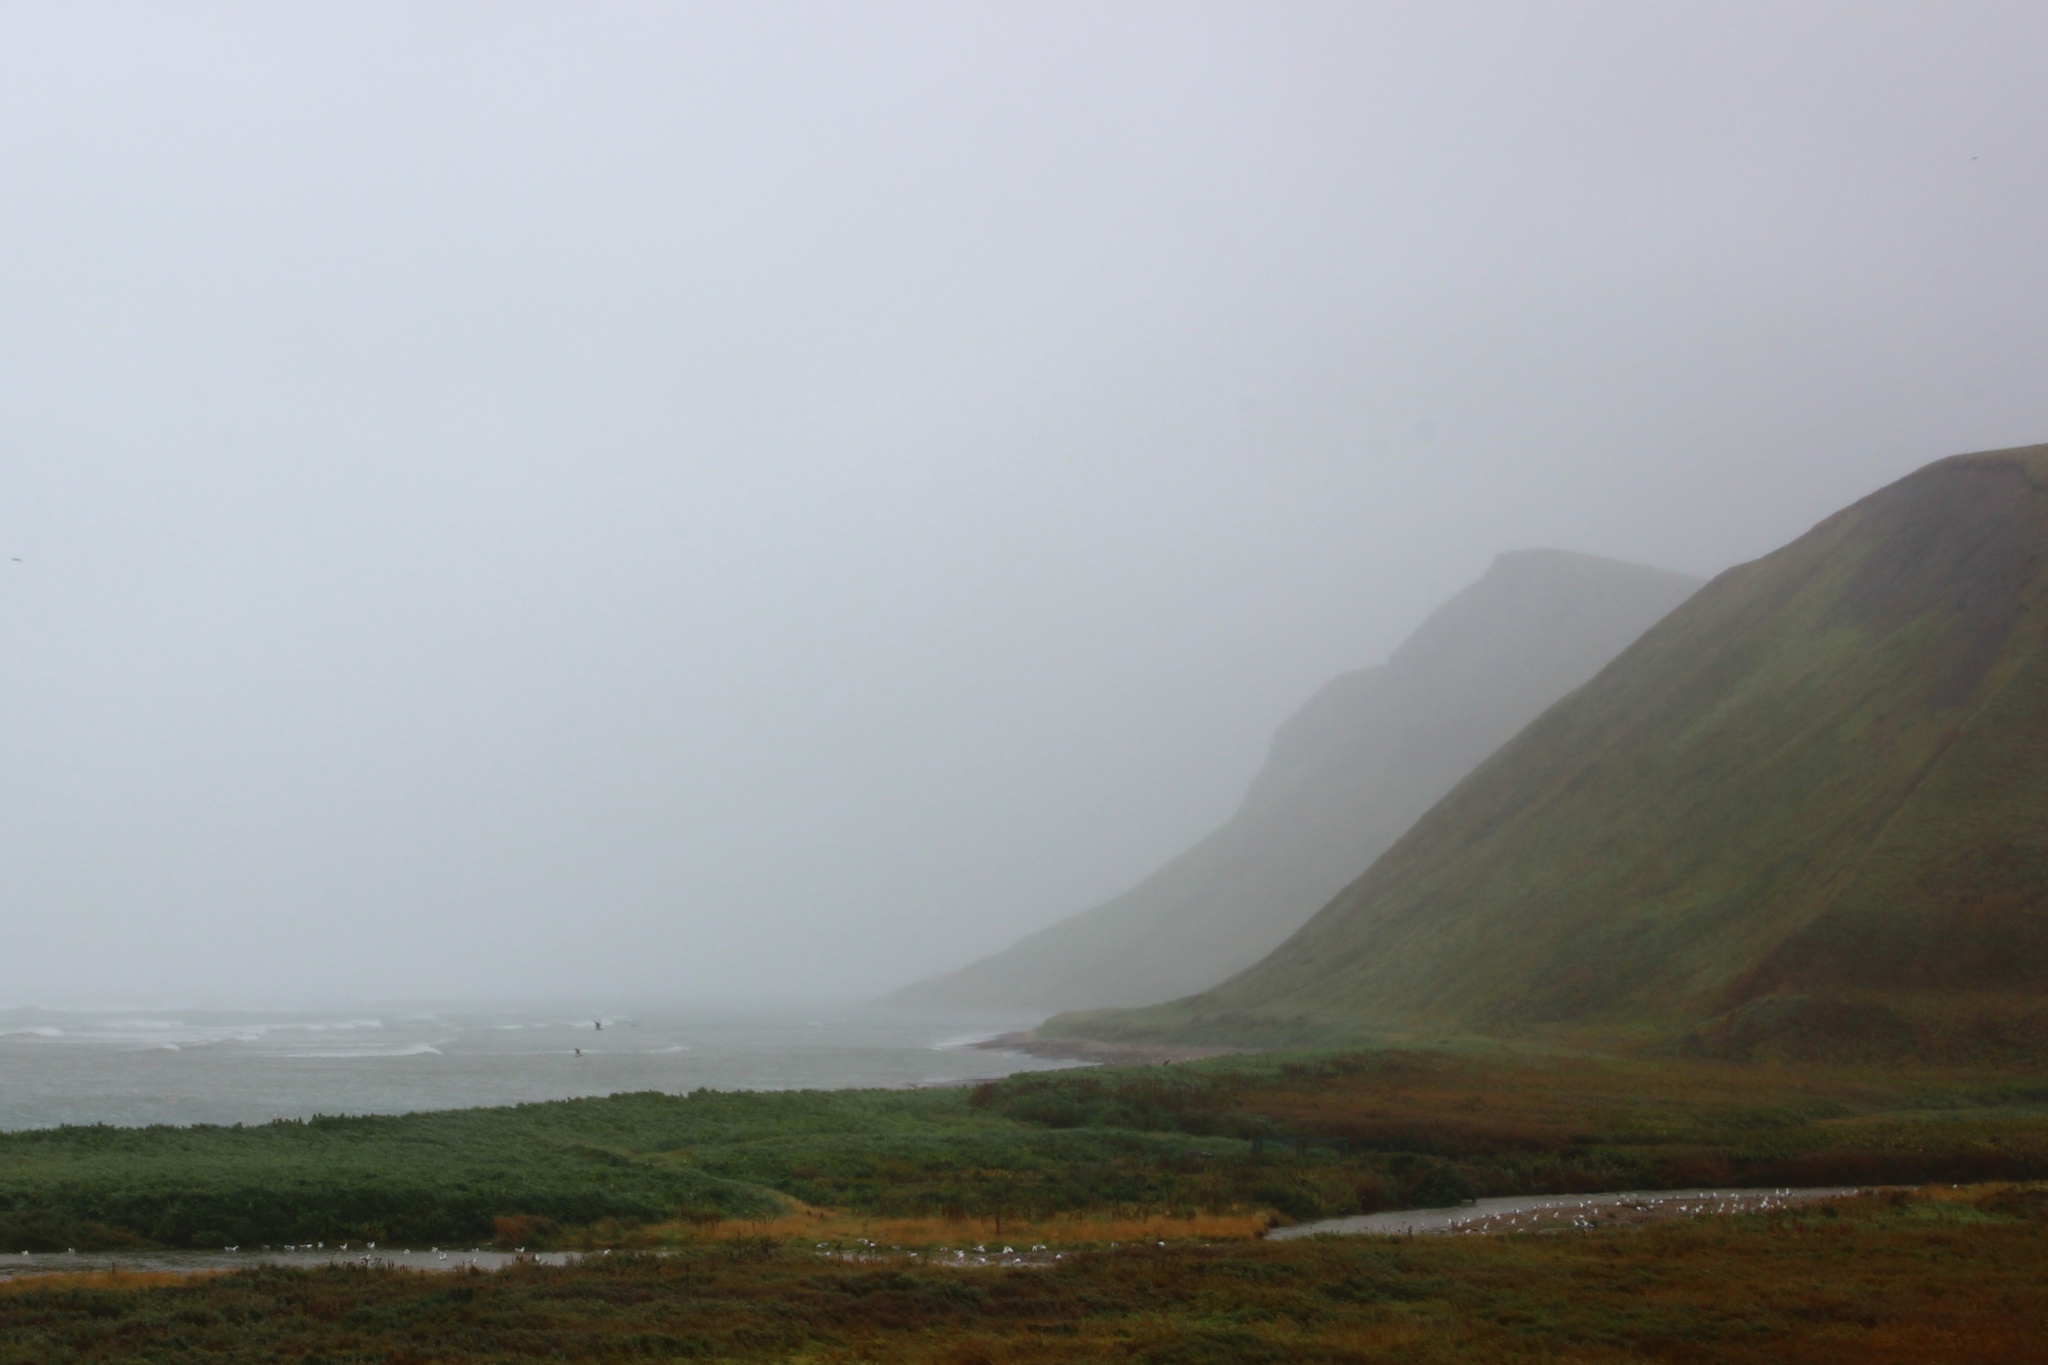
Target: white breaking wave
[
  {"x": 416, "y": 1050},
  {"x": 964, "y": 1040},
  {"x": 336, "y": 1026},
  {"x": 158, "y": 1064}
]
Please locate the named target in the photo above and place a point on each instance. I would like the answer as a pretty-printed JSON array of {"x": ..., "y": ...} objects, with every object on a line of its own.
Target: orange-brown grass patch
[
  {"x": 840, "y": 1227},
  {"x": 98, "y": 1279}
]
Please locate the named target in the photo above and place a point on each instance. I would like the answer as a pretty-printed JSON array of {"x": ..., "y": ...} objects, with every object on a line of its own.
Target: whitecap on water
[
  {"x": 416, "y": 1050},
  {"x": 127, "y": 1065}
]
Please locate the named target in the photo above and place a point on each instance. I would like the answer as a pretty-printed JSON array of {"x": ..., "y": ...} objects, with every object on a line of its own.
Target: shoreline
[{"x": 1103, "y": 1054}]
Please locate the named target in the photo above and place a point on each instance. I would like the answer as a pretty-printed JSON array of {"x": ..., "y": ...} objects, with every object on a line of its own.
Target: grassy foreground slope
[
  {"x": 1348, "y": 773},
  {"x": 1807, "y": 813},
  {"x": 1948, "y": 1275}
]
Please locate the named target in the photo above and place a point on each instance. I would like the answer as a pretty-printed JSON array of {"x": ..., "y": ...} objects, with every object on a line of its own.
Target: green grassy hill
[
  {"x": 1806, "y": 813},
  {"x": 1348, "y": 773}
]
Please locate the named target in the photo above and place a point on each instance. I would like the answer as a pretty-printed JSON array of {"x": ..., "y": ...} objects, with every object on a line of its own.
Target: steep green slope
[
  {"x": 1805, "y": 813},
  {"x": 1347, "y": 774}
]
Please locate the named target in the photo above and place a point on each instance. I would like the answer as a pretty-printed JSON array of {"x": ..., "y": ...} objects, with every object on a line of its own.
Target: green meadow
[{"x": 1273, "y": 1138}]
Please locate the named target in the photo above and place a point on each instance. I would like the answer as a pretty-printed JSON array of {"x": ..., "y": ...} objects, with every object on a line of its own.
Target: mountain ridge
[
  {"x": 1345, "y": 774},
  {"x": 1807, "y": 812}
]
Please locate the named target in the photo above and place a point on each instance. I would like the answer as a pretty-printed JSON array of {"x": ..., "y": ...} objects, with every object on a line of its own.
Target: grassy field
[
  {"x": 1519, "y": 1123},
  {"x": 1939, "y": 1275},
  {"x": 1222, "y": 1146},
  {"x": 536, "y": 1173}
]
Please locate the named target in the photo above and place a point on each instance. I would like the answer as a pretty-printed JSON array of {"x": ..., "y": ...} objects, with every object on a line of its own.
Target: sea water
[{"x": 133, "y": 1067}]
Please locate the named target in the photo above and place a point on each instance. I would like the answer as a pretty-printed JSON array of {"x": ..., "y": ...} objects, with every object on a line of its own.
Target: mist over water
[
  {"x": 216, "y": 1066},
  {"x": 708, "y": 503}
]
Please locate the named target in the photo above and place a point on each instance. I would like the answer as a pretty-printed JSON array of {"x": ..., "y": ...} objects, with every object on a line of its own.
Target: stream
[
  {"x": 1513, "y": 1213},
  {"x": 1537, "y": 1212}
]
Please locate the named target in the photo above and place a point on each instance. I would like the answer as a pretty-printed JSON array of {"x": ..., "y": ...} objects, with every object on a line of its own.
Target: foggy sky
[{"x": 700, "y": 501}]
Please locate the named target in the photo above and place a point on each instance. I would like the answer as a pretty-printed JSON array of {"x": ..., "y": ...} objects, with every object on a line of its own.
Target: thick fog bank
[{"x": 718, "y": 501}]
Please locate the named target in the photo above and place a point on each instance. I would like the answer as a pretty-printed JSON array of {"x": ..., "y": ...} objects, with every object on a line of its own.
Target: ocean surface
[{"x": 133, "y": 1067}]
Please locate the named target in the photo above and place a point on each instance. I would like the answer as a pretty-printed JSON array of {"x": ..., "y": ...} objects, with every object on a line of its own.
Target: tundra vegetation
[
  {"x": 1068, "y": 1158},
  {"x": 1935, "y": 1274}
]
